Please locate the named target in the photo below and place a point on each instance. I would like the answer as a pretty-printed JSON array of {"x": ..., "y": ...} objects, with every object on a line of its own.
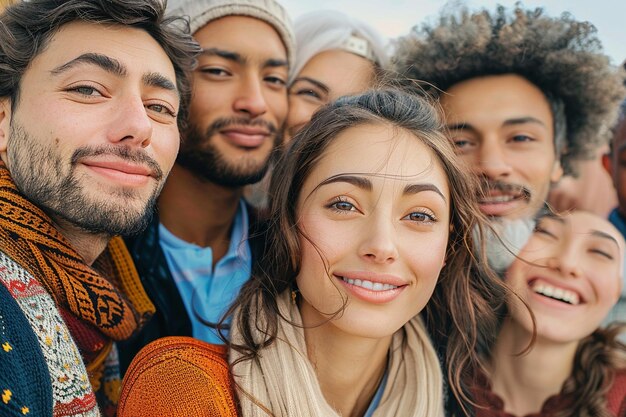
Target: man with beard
[
  {"x": 525, "y": 96},
  {"x": 91, "y": 96},
  {"x": 194, "y": 258}
]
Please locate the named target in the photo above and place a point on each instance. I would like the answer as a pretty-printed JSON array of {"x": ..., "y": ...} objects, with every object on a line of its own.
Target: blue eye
[
  {"x": 342, "y": 206},
  {"x": 420, "y": 217}
]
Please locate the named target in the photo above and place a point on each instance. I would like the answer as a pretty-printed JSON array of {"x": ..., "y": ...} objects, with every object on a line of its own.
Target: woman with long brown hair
[
  {"x": 371, "y": 223},
  {"x": 569, "y": 274}
]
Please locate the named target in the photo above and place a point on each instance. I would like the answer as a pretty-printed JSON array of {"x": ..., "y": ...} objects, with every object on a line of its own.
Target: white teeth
[
  {"x": 557, "y": 293},
  {"x": 373, "y": 286},
  {"x": 498, "y": 199}
]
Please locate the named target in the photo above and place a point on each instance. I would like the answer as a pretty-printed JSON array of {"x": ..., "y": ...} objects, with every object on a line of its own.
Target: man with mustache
[
  {"x": 91, "y": 96},
  {"x": 525, "y": 96},
  {"x": 196, "y": 255}
]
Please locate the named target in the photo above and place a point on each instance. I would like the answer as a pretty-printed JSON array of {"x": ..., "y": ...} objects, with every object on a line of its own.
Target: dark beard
[
  {"x": 40, "y": 175},
  {"x": 198, "y": 155}
]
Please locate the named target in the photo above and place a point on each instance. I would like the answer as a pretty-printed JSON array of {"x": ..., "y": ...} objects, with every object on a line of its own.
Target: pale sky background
[{"x": 396, "y": 17}]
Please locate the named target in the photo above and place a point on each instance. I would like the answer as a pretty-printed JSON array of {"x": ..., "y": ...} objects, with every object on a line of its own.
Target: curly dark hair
[{"x": 561, "y": 56}]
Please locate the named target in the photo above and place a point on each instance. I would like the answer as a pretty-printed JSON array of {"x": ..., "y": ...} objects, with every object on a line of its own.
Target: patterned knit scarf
[
  {"x": 98, "y": 307},
  {"x": 283, "y": 380}
]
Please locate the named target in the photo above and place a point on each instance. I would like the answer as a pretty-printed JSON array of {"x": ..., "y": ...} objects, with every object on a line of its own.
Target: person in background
[
  {"x": 615, "y": 164},
  {"x": 570, "y": 275},
  {"x": 587, "y": 191},
  {"x": 337, "y": 56},
  {"x": 373, "y": 224},
  {"x": 525, "y": 95},
  {"x": 92, "y": 95},
  {"x": 198, "y": 252}
]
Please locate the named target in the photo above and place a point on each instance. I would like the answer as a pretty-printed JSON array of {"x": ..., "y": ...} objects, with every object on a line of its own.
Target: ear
[
  {"x": 557, "y": 172},
  {"x": 607, "y": 163},
  {"x": 5, "y": 121}
]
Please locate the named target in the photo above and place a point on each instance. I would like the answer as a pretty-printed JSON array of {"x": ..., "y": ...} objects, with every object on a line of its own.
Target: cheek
[
  {"x": 165, "y": 145},
  {"x": 277, "y": 102},
  {"x": 425, "y": 255},
  {"x": 299, "y": 112}
]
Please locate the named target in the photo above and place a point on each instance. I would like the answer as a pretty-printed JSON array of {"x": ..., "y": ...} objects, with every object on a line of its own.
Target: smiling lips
[
  {"x": 545, "y": 289},
  {"x": 246, "y": 136},
  {"x": 121, "y": 172},
  {"x": 373, "y": 288}
]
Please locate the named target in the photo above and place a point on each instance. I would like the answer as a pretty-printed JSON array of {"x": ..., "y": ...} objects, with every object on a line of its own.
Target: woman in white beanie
[{"x": 336, "y": 56}]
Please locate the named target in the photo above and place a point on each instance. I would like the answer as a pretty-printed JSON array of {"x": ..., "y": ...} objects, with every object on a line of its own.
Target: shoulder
[
  {"x": 616, "y": 396},
  {"x": 154, "y": 380}
]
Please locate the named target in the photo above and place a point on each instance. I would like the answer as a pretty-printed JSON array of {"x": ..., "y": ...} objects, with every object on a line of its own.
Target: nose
[
  {"x": 378, "y": 243},
  {"x": 566, "y": 260},
  {"x": 250, "y": 98},
  {"x": 132, "y": 125},
  {"x": 492, "y": 161}
]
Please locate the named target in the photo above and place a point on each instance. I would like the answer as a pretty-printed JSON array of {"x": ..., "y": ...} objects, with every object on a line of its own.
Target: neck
[
  {"x": 88, "y": 245},
  {"x": 198, "y": 211},
  {"x": 525, "y": 382},
  {"x": 349, "y": 368}
]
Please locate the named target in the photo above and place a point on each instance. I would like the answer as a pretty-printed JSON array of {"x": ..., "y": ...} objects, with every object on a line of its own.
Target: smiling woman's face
[
  {"x": 376, "y": 210},
  {"x": 574, "y": 275}
]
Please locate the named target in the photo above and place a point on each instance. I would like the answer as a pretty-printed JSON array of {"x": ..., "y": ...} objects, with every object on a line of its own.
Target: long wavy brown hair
[
  {"x": 597, "y": 359},
  {"x": 460, "y": 315}
]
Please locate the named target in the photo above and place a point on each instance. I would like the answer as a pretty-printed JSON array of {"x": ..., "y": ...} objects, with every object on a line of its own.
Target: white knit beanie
[{"x": 201, "y": 12}]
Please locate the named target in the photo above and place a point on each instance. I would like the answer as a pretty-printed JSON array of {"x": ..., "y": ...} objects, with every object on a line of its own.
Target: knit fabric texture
[
  {"x": 201, "y": 12},
  {"x": 25, "y": 386},
  {"x": 100, "y": 304},
  {"x": 178, "y": 376},
  {"x": 71, "y": 392}
]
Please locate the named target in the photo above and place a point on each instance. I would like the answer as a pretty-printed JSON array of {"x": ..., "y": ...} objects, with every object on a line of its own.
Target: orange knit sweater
[{"x": 178, "y": 376}]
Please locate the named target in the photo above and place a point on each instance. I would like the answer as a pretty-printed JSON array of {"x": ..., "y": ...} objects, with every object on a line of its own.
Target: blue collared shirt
[{"x": 208, "y": 293}]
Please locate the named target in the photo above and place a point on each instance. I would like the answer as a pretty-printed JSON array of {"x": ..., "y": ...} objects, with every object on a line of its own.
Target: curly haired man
[{"x": 525, "y": 95}]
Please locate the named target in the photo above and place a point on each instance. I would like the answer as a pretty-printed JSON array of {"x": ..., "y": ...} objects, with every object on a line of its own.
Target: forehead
[
  {"x": 132, "y": 47},
  {"x": 381, "y": 149},
  {"x": 343, "y": 72},
  {"x": 253, "y": 38},
  {"x": 495, "y": 99},
  {"x": 582, "y": 222}
]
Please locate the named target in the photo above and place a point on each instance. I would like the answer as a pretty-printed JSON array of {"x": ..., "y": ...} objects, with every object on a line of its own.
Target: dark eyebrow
[
  {"x": 274, "y": 63},
  {"x": 508, "y": 122},
  {"x": 108, "y": 64},
  {"x": 418, "y": 188},
  {"x": 154, "y": 79},
  {"x": 523, "y": 120},
  {"x": 359, "y": 182},
  {"x": 604, "y": 235},
  {"x": 313, "y": 81},
  {"x": 240, "y": 59},
  {"x": 593, "y": 232},
  {"x": 222, "y": 53}
]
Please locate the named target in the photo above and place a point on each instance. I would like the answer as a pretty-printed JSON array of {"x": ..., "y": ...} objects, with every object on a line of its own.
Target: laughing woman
[
  {"x": 569, "y": 274},
  {"x": 371, "y": 224}
]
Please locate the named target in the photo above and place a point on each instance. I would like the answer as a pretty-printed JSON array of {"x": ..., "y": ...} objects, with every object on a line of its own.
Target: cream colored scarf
[{"x": 284, "y": 381}]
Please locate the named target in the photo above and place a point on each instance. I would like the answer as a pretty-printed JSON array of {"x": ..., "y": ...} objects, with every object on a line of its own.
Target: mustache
[
  {"x": 135, "y": 156},
  {"x": 487, "y": 185},
  {"x": 225, "y": 122}
]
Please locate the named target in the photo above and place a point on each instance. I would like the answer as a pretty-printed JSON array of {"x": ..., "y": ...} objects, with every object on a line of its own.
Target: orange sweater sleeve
[{"x": 178, "y": 376}]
